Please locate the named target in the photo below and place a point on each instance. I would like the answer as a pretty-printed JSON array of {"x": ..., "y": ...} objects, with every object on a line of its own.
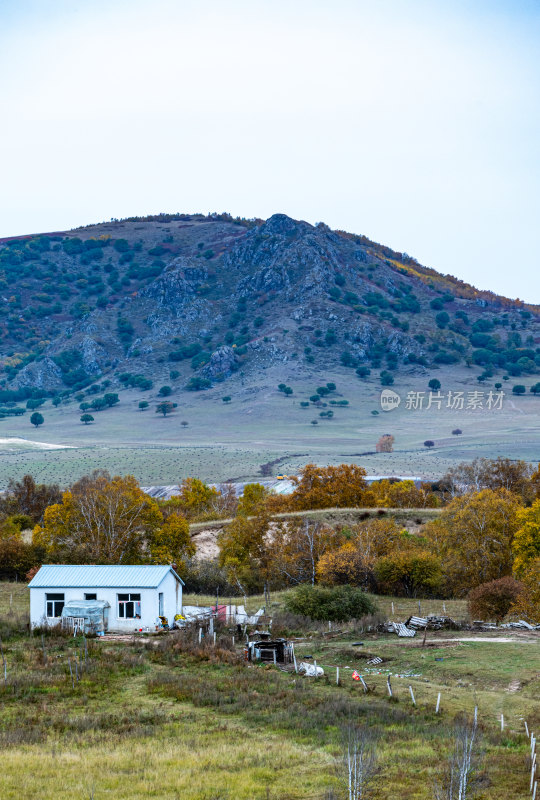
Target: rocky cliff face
[{"x": 211, "y": 296}]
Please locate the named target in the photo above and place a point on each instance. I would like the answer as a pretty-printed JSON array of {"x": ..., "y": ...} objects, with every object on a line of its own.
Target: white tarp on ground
[{"x": 309, "y": 669}]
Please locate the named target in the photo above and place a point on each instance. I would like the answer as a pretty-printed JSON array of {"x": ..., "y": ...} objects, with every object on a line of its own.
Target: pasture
[
  {"x": 154, "y": 718},
  {"x": 232, "y": 441}
]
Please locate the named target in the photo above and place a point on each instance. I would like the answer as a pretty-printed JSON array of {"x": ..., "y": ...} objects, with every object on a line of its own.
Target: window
[
  {"x": 160, "y": 602},
  {"x": 54, "y": 605},
  {"x": 129, "y": 606},
  {"x": 90, "y": 596}
]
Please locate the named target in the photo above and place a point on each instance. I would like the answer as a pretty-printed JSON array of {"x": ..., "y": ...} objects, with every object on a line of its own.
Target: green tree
[
  {"x": 143, "y": 405},
  {"x": 434, "y": 385},
  {"x": 165, "y": 407},
  {"x": 165, "y": 391},
  {"x": 111, "y": 399},
  {"x": 226, "y": 399},
  {"x": 37, "y": 419},
  {"x": 86, "y": 418},
  {"x": 519, "y": 389}
]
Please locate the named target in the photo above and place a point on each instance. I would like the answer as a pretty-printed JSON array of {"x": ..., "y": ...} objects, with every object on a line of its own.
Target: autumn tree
[
  {"x": 473, "y": 537},
  {"x": 526, "y": 544},
  {"x": 408, "y": 572},
  {"x": 29, "y": 498},
  {"x": 326, "y": 487},
  {"x": 485, "y": 473},
  {"x": 253, "y": 498},
  {"x": 296, "y": 547},
  {"x": 244, "y": 552},
  {"x": 385, "y": 444},
  {"x": 196, "y": 498},
  {"x": 101, "y": 520},
  {"x": 493, "y": 600},
  {"x": 527, "y": 605},
  {"x": 403, "y": 494},
  {"x": 171, "y": 543},
  {"x": 354, "y": 561}
]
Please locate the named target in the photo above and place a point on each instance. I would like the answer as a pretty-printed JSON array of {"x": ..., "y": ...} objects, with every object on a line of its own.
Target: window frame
[
  {"x": 54, "y": 599},
  {"x": 128, "y": 602}
]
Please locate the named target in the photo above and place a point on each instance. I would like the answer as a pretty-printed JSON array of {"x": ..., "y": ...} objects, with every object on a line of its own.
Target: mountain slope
[{"x": 205, "y": 297}]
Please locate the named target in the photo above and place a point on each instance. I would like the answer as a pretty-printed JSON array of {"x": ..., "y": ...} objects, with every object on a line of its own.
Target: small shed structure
[
  {"x": 130, "y": 597},
  {"x": 278, "y": 651}
]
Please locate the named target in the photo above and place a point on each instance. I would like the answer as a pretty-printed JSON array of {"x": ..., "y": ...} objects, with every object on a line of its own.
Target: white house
[{"x": 130, "y": 597}]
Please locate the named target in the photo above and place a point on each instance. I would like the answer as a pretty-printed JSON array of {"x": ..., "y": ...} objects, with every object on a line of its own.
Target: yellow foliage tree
[
  {"x": 171, "y": 543},
  {"x": 101, "y": 520},
  {"x": 402, "y": 494},
  {"x": 252, "y": 500},
  {"x": 526, "y": 544},
  {"x": 343, "y": 486},
  {"x": 354, "y": 561},
  {"x": 244, "y": 552},
  {"x": 473, "y": 537},
  {"x": 527, "y": 605},
  {"x": 196, "y": 498},
  {"x": 296, "y": 548}
]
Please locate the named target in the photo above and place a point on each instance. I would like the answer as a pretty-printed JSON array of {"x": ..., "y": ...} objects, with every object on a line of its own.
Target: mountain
[{"x": 205, "y": 297}]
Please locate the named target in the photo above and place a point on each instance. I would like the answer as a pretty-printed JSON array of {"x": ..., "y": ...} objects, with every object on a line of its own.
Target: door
[{"x": 160, "y": 602}]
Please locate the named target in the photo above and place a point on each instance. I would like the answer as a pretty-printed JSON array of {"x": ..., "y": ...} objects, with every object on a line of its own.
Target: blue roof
[{"x": 92, "y": 576}]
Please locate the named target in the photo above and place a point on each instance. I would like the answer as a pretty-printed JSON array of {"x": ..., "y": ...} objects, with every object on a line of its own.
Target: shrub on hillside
[
  {"x": 335, "y": 604},
  {"x": 493, "y": 600}
]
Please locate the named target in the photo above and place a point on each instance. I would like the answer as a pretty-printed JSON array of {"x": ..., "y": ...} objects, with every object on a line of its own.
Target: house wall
[{"x": 172, "y": 602}]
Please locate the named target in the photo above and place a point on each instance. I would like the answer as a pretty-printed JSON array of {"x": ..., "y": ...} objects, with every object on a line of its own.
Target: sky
[{"x": 414, "y": 122}]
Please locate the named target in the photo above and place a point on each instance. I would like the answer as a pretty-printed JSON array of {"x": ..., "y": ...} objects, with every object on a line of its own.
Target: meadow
[
  {"x": 232, "y": 441},
  {"x": 158, "y": 717}
]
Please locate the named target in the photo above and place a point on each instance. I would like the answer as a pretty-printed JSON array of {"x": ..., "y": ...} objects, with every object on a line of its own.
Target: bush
[
  {"x": 335, "y": 604},
  {"x": 457, "y": 432},
  {"x": 86, "y": 418},
  {"x": 37, "y": 419},
  {"x": 518, "y": 389},
  {"x": 493, "y": 600},
  {"x": 429, "y": 443}
]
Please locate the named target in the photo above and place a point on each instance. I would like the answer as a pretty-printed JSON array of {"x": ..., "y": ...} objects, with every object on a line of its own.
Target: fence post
[
  {"x": 337, "y": 676},
  {"x": 364, "y": 684},
  {"x": 526, "y": 728},
  {"x": 438, "y": 703},
  {"x": 412, "y": 695},
  {"x": 502, "y": 722},
  {"x": 389, "y": 686}
]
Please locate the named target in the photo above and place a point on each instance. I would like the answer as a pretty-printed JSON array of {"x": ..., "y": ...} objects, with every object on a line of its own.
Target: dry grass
[{"x": 166, "y": 721}]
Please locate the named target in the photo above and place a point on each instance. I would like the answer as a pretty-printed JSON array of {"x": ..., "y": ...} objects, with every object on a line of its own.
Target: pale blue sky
[{"x": 415, "y": 123}]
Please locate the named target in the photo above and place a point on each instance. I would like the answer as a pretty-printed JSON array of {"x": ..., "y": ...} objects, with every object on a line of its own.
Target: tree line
[{"x": 488, "y": 529}]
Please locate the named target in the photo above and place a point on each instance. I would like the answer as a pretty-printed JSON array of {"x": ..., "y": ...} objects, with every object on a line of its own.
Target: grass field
[
  {"x": 153, "y": 719},
  {"x": 261, "y": 425}
]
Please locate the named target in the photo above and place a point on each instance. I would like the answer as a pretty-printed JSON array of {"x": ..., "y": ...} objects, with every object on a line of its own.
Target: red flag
[{"x": 355, "y": 676}]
